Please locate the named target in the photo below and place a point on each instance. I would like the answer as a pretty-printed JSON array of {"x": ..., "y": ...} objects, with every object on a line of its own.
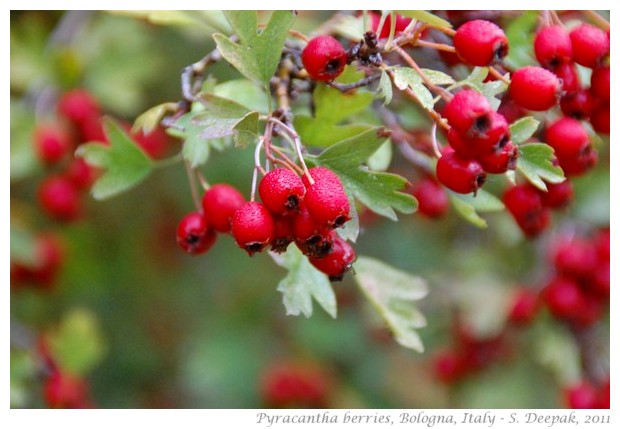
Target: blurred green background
[{"x": 181, "y": 331}]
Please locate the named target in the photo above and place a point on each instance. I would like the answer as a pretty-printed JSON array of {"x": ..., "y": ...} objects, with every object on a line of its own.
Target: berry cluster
[
  {"x": 531, "y": 208},
  {"x": 305, "y": 211},
  {"x": 295, "y": 385},
  {"x": 479, "y": 143}
]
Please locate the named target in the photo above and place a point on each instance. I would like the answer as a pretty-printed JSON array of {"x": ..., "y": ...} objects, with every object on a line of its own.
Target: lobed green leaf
[
  {"x": 523, "y": 128},
  {"x": 406, "y": 77},
  {"x": 469, "y": 205},
  {"x": 536, "y": 163},
  {"x": 426, "y": 17}
]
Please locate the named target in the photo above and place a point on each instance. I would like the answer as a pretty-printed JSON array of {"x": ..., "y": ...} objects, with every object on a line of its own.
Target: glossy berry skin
[
  {"x": 252, "y": 227},
  {"x": 469, "y": 113},
  {"x": 51, "y": 143},
  {"x": 535, "y": 88},
  {"x": 432, "y": 199},
  {"x": 501, "y": 161},
  {"x": 571, "y": 144},
  {"x": 525, "y": 306},
  {"x": 480, "y": 42},
  {"x": 600, "y": 119},
  {"x": 78, "y": 105},
  {"x": 581, "y": 396},
  {"x": 493, "y": 138},
  {"x": 578, "y": 104},
  {"x": 219, "y": 203},
  {"x": 462, "y": 146},
  {"x": 283, "y": 233},
  {"x": 600, "y": 83},
  {"x": 62, "y": 390},
  {"x": 525, "y": 205},
  {"x": 401, "y": 24},
  {"x": 194, "y": 235},
  {"x": 558, "y": 195},
  {"x": 574, "y": 257},
  {"x": 563, "y": 298},
  {"x": 320, "y": 174},
  {"x": 281, "y": 191},
  {"x": 324, "y": 58},
  {"x": 312, "y": 238},
  {"x": 569, "y": 77},
  {"x": 590, "y": 45},
  {"x": 327, "y": 202},
  {"x": 81, "y": 174},
  {"x": 60, "y": 198},
  {"x": 458, "y": 174},
  {"x": 338, "y": 262},
  {"x": 552, "y": 46}
]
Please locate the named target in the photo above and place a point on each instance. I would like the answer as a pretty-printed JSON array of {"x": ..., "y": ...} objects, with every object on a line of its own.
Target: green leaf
[
  {"x": 536, "y": 164},
  {"x": 23, "y": 159},
  {"x": 150, "y": 119},
  {"x": 407, "y": 77},
  {"x": 77, "y": 344},
  {"x": 469, "y": 205},
  {"x": 380, "y": 192},
  {"x": 350, "y": 27},
  {"x": 351, "y": 229},
  {"x": 493, "y": 88},
  {"x": 302, "y": 283},
  {"x": 438, "y": 78},
  {"x": 246, "y": 130},
  {"x": 381, "y": 159},
  {"x": 258, "y": 54},
  {"x": 522, "y": 129},
  {"x": 124, "y": 162},
  {"x": 23, "y": 247},
  {"x": 393, "y": 293},
  {"x": 426, "y": 17},
  {"x": 244, "y": 92},
  {"x": 520, "y": 33},
  {"x": 164, "y": 17},
  {"x": 555, "y": 349},
  {"x": 384, "y": 89}
]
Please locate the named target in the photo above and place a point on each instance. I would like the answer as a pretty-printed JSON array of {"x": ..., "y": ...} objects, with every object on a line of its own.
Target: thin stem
[
  {"x": 597, "y": 19},
  {"x": 411, "y": 62},
  {"x": 437, "y": 46},
  {"x": 497, "y": 75},
  {"x": 257, "y": 167},
  {"x": 173, "y": 160},
  {"x": 296, "y": 143},
  {"x": 192, "y": 186},
  {"x": 556, "y": 18},
  {"x": 346, "y": 87},
  {"x": 298, "y": 35},
  {"x": 436, "y": 149},
  {"x": 203, "y": 181}
]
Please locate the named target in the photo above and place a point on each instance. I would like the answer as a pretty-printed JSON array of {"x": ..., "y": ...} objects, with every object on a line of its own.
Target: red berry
[
  {"x": 574, "y": 257},
  {"x": 578, "y": 104},
  {"x": 295, "y": 385},
  {"x": 326, "y": 201},
  {"x": 63, "y": 390},
  {"x": 78, "y": 105},
  {"x": 601, "y": 240},
  {"x": 155, "y": 143},
  {"x": 81, "y": 174},
  {"x": 461, "y": 145},
  {"x": 281, "y": 191},
  {"x": 501, "y": 161},
  {"x": 338, "y": 262},
  {"x": 569, "y": 77},
  {"x": 91, "y": 130},
  {"x": 194, "y": 235},
  {"x": 558, "y": 195},
  {"x": 49, "y": 256},
  {"x": 283, "y": 233},
  {"x": 600, "y": 279},
  {"x": 324, "y": 58},
  {"x": 563, "y": 298},
  {"x": 312, "y": 238},
  {"x": 252, "y": 227},
  {"x": 590, "y": 45},
  {"x": 535, "y": 88},
  {"x": 461, "y": 175},
  {"x": 525, "y": 205},
  {"x": 599, "y": 83},
  {"x": 581, "y": 396},
  {"x": 480, "y": 42},
  {"x": 590, "y": 312},
  {"x": 604, "y": 393},
  {"x": 401, "y": 24},
  {"x": 52, "y": 143},
  {"x": 552, "y": 46},
  {"x": 493, "y": 138},
  {"x": 219, "y": 203},
  {"x": 60, "y": 198},
  {"x": 320, "y": 173},
  {"x": 449, "y": 366},
  {"x": 567, "y": 137},
  {"x": 600, "y": 119},
  {"x": 469, "y": 112},
  {"x": 524, "y": 307},
  {"x": 433, "y": 201}
]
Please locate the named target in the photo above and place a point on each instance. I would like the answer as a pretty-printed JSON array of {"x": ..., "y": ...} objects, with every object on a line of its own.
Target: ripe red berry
[
  {"x": 281, "y": 191},
  {"x": 401, "y": 24},
  {"x": 338, "y": 262},
  {"x": 469, "y": 113},
  {"x": 320, "y": 174},
  {"x": 60, "y": 198},
  {"x": 51, "y": 143},
  {"x": 461, "y": 145},
  {"x": 326, "y": 200},
  {"x": 493, "y": 138},
  {"x": 312, "y": 238},
  {"x": 294, "y": 385},
  {"x": 558, "y": 195},
  {"x": 552, "y": 46},
  {"x": 581, "y": 396},
  {"x": 49, "y": 256},
  {"x": 480, "y": 42},
  {"x": 63, "y": 390},
  {"x": 525, "y": 305},
  {"x": 461, "y": 175},
  {"x": 194, "y": 235},
  {"x": 449, "y": 366},
  {"x": 569, "y": 77},
  {"x": 600, "y": 120},
  {"x": 219, "y": 203},
  {"x": 283, "y": 233},
  {"x": 324, "y": 58},
  {"x": 81, "y": 174},
  {"x": 501, "y": 161},
  {"x": 535, "y": 88},
  {"x": 600, "y": 84},
  {"x": 601, "y": 241},
  {"x": 604, "y": 392},
  {"x": 563, "y": 298},
  {"x": 572, "y": 146},
  {"x": 252, "y": 227},
  {"x": 574, "y": 257},
  {"x": 590, "y": 45},
  {"x": 155, "y": 143},
  {"x": 578, "y": 104},
  {"x": 78, "y": 105},
  {"x": 525, "y": 205},
  {"x": 91, "y": 130},
  {"x": 433, "y": 201}
]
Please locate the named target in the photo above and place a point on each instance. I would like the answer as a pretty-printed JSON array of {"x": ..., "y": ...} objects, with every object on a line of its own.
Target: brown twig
[
  {"x": 597, "y": 19},
  {"x": 411, "y": 62}
]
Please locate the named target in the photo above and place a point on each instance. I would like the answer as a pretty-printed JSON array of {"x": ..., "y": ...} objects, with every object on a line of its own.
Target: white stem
[
  {"x": 434, "y": 140},
  {"x": 256, "y": 167},
  {"x": 296, "y": 143}
]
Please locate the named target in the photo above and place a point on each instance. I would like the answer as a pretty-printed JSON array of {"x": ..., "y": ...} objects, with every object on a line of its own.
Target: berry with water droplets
[
  {"x": 252, "y": 227},
  {"x": 459, "y": 174},
  {"x": 590, "y": 45},
  {"x": 337, "y": 262},
  {"x": 480, "y": 43},
  {"x": 535, "y": 88},
  {"x": 194, "y": 235},
  {"x": 281, "y": 191},
  {"x": 552, "y": 46},
  {"x": 219, "y": 203},
  {"x": 324, "y": 58}
]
